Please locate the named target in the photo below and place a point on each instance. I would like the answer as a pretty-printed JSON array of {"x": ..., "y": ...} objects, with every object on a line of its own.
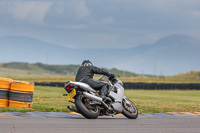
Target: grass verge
[
  {"x": 48, "y": 99},
  {"x": 189, "y": 77},
  {"x": 154, "y": 101}
]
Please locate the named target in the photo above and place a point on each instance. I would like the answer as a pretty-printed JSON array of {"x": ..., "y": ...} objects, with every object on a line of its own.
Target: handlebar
[{"x": 117, "y": 76}]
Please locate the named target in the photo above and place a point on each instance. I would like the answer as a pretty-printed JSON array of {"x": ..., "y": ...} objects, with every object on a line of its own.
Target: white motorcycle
[{"x": 91, "y": 105}]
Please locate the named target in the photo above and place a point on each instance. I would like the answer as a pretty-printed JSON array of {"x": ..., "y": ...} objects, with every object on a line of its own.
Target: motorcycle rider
[{"x": 85, "y": 74}]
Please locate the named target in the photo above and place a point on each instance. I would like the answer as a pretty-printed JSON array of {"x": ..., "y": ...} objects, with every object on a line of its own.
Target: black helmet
[{"x": 86, "y": 63}]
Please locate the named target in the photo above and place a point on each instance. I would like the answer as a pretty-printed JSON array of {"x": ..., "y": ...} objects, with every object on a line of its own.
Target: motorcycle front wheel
[
  {"x": 83, "y": 106},
  {"x": 129, "y": 109}
]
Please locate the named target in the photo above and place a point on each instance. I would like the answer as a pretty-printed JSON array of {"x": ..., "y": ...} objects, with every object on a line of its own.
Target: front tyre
[
  {"x": 129, "y": 109},
  {"x": 83, "y": 106}
]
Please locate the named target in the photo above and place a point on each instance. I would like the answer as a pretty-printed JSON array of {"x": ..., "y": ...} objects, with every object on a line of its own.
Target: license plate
[{"x": 71, "y": 94}]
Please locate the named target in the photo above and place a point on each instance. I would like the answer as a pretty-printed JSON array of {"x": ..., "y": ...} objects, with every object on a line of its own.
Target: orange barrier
[
  {"x": 13, "y": 103},
  {"x": 5, "y": 83},
  {"x": 21, "y": 94},
  {"x": 21, "y": 86},
  {"x": 3, "y": 102},
  {"x": 4, "y": 88}
]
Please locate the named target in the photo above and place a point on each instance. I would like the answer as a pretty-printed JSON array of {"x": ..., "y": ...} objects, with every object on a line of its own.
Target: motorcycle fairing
[
  {"x": 117, "y": 105},
  {"x": 84, "y": 86}
]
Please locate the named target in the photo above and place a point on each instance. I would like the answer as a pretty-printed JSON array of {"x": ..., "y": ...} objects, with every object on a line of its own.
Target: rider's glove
[{"x": 111, "y": 76}]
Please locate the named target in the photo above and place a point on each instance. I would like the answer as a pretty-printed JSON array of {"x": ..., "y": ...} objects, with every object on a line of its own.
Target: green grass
[
  {"x": 189, "y": 77},
  {"x": 153, "y": 101},
  {"x": 148, "y": 101},
  {"x": 50, "y": 99}
]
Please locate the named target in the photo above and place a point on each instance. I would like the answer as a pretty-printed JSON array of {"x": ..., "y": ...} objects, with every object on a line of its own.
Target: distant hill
[
  {"x": 168, "y": 56},
  {"x": 187, "y": 75},
  {"x": 22, "y": 69}
]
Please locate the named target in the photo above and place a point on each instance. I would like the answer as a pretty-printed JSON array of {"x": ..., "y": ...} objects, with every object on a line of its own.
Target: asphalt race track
[{"x": 59, "y": 122}]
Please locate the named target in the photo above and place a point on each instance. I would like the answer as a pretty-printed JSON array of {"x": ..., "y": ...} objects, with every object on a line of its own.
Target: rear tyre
[
  {"x": 129, "y": 109},
  {"x": 87, "y": 110}
]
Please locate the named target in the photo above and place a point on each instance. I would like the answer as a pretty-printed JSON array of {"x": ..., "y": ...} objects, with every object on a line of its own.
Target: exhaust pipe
[
  {"x": 92, "y": 97},
  {"x": 72, "y": 108},
  {"x": 95, "y": 98}
]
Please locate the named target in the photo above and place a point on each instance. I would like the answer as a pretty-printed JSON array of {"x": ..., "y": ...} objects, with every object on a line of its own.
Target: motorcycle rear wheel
[
  {"x": 126, "y": 110},
  {"x": 87, "y": 110}
]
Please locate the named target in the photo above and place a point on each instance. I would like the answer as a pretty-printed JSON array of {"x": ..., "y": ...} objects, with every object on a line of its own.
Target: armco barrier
[
  {"x": 52, "y": 84},
  {"x": 162, "y": 86},
  {"x": 144, "y": 86}
]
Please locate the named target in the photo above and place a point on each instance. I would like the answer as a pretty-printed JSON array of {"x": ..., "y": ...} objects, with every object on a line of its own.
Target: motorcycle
[{"x": 91, "y": 105}]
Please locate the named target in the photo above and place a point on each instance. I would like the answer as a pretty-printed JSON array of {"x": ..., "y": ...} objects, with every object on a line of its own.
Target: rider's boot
[{"x": 103, "y": 93}]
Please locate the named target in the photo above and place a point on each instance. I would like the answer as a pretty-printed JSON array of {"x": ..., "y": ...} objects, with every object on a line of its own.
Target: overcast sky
[{"x": 99, "y": 23}]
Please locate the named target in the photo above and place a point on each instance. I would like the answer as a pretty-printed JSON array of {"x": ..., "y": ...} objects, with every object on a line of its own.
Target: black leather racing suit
[{"x": 85, "y": 74}]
